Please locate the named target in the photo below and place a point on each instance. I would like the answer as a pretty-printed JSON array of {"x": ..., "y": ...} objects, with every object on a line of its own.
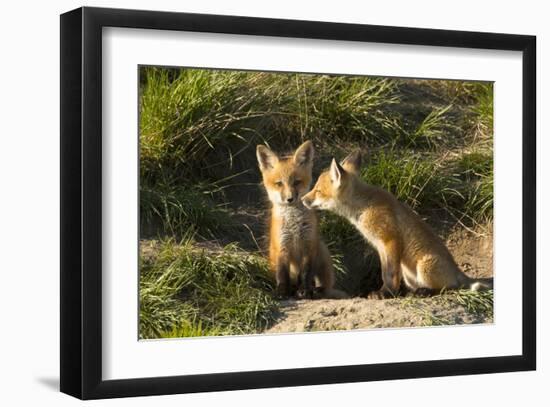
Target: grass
[
  {"x": 463, "y": 186},
  {"x": 476, "y": 171},
  {"x": 432, "y": 130},
  {"x": 183, "y": 116},
  {"x": 187, "y": 290},
  {"x": 201, "y": 127},
  {"x": 208, "y": 118},
  {"x": 187, "y": 329},
  {"x": 180, "y": 209},
  {"x": 483, "y": 108},
  {"x": 429, "y": 142},
  {"x": 411, "y": 178},
  {"x": 475, "y": 302},
  {"x": 479, "y": 304}
]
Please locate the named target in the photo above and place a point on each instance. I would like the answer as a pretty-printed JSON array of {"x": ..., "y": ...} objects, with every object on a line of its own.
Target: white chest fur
[{"x": 296, "y": 223}]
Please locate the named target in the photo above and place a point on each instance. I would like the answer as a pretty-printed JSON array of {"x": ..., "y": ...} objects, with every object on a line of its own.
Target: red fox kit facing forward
[
  {"x": 297, "y": 255},
  {"x": 407, "y": 247}
]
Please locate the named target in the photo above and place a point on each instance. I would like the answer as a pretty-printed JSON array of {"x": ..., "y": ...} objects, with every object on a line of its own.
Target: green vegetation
[
  {"x": 479, "y": 304},
  {"x": 463, "y": 186},
  {"x": 427, "y": 141},
  {"x": 475, "y": 302},
  {"x": 189, "y": 291},
  {"x": 177, "y": 210}
]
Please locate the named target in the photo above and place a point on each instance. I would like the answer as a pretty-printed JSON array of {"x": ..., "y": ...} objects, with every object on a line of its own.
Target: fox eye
[
  {"x": 279, "y": 183},
  {"x": 297, "y": 182}
]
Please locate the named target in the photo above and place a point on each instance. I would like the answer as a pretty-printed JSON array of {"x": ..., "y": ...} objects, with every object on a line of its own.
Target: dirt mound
[
  {"x": 361, "y": 313},
  {"x": 473, "y": 250}
]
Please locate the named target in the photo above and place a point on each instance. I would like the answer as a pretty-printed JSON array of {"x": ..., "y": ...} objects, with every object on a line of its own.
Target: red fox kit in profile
[
  {"x": 407, "y": 247},
  {"x": 297, "y": 255}
]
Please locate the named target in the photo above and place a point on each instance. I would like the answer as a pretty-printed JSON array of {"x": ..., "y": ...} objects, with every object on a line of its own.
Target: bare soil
[{"x": 362, "y": 313}]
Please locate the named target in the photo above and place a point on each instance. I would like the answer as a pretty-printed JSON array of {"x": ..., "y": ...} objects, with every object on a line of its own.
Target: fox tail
[{"x": 481, "y": 284}]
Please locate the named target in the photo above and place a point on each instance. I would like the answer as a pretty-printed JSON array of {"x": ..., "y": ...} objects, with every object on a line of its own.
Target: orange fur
[{"x": 297, "y": 255}]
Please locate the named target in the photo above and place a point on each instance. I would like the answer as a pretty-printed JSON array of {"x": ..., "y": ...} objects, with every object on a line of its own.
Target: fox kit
[
  {"x": 297, "y": 255},
  {"x": 407, "y": 247}
]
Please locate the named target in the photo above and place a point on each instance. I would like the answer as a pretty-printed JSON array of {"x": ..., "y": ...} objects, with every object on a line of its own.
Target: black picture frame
[{"x": 81, "y": 202}]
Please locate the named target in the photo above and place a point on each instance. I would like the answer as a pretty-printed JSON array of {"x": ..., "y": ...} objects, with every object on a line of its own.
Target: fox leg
[
  {"x": 306, "y": 278},
  {"x": 282, "y": 276},
  {"x": 390, "y": 259},
  {"x": 323, "y": 269}
]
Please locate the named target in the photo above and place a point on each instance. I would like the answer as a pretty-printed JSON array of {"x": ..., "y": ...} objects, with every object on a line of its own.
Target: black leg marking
[
  {"x": 283, "y": 280},
  {"x": 425, "y": 292},
  {"x": 306, "y": 276}
]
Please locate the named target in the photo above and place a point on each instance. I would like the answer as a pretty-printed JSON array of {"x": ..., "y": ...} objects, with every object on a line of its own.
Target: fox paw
[
  {"x": 424, "y": 292},
  {"x": 319, "y": 293},
  {"x": 379, "y": 295},
  {"x": 282, "y": 292},
  {"x": 303, "y": 294}
]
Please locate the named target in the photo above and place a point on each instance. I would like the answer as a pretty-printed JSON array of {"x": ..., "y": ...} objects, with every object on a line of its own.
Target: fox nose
[
  {"x": 290, "y": 200},
  {"x": 308, "y": 202}
]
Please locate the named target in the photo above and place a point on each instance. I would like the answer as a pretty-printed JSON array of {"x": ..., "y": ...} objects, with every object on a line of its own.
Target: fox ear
[
  {"x": 352, "y": 163},
  {"x": 336, "y": 171},
  {"x": 266, "y": 158},
  {"x": 304, "y": 154}
]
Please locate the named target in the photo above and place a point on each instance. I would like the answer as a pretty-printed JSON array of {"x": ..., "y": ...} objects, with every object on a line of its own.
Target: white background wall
[{"x": 29, "y": 200}]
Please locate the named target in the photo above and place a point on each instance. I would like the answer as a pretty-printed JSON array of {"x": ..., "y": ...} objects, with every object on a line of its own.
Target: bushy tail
[
  {"x": 474, "y": 284},
  {"x": 480, "y": 284}
]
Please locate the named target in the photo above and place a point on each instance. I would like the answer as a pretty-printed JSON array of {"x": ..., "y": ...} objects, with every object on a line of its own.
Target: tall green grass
[
  {"x": 197, "y": 123},
  {"x": 411, "y": 178},
  {"x": 476, "y": 174},
  {"x": 483, "y": 107},
  {"x": 185, "y": 117},
  {"x": 175, "y": 210},
  {"x": 432, "y": 130},
  {"x": 462, "y": 185},
  {"x": 188, "y": 290},
  {"x": 199, "y": 129}
]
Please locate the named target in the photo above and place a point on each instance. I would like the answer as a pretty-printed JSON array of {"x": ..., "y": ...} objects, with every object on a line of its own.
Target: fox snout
[
  {"x": 289, "y": 197},
  {"x": 307, "y": 200}
]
